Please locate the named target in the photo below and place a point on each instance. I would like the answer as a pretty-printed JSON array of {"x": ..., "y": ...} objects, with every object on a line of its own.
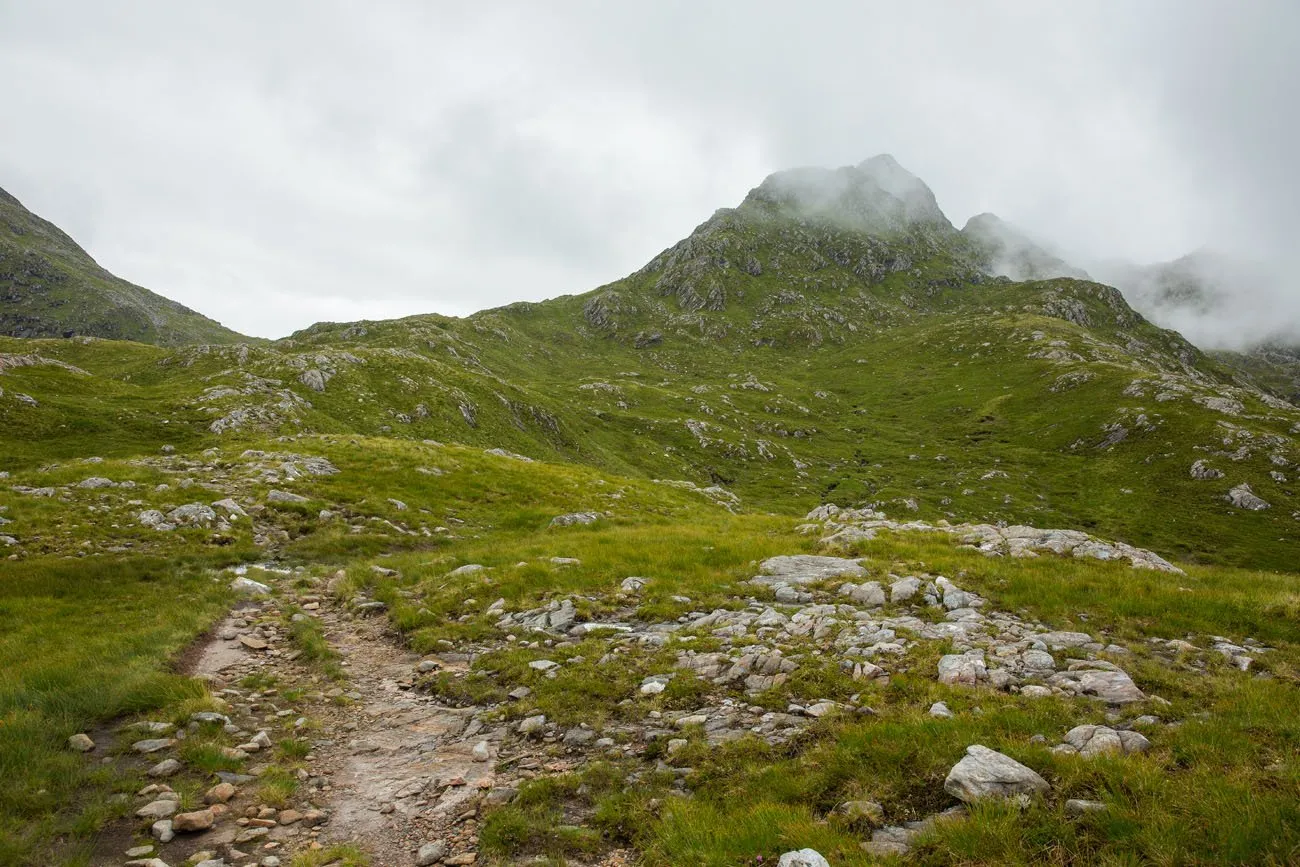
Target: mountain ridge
[{"x": 51, "y": 287}]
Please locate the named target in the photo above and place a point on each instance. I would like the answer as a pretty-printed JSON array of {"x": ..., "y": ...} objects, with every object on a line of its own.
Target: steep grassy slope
[{"x": 50, "y": 287}]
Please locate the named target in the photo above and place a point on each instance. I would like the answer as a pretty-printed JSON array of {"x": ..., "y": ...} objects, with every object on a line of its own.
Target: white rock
[{"x": 803, "y": 858}]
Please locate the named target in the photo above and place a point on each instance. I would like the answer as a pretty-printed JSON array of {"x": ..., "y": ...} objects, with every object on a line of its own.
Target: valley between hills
[{"x": 818, "y": 540}]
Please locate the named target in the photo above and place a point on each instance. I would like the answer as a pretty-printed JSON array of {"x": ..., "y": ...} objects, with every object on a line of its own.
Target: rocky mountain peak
[{"x": 877, "y": 196}]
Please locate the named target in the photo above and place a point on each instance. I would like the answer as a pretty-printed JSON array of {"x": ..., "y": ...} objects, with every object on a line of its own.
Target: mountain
[
  {"x": 1006, "y": 250},
  {"x": 50, "y": 287},
  {"x": 804, "y": 536},
  {"x": 831, "y": 339}
]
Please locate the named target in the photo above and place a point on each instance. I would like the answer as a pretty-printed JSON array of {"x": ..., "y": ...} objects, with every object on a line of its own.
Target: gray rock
[
  {"x": 904, "y": 589},
  {"x": 1080, "y": 807},
  {"x": 155, "y": 519},
  {"x": 152, "y": 745},
  {"x": 1112, "y": 687},
  {"x": 532, "y": 725},
  {"x": 940, "y": 710},
  {"x": 984, "y": 773},
  {"x": 803, "y": 858},
  {"x": 165, "y": 768},
  {"x": 249, "y": 587},
  {"x": 1093, "y": 740},
  {"x": 1202, "y": 472},
  {"x": 431, "y": 853},
  {"x": 313, "y": 379},
  {"x": 157, "y": 810},
  {"x": 230, "y": 507},
  {"x": 864, "y": 812},
  {"x": 575, "y": 519},
  {"x": 870, "y": 594},
  {"x": 1244, "y": 498},
  {"x": 284, "y": 497},
  {"x": 81, "y": 743},
  {"x": 963, "y": 668},
  {"x": 807, "y": 569},
  {"x": 192, "y": 515}
]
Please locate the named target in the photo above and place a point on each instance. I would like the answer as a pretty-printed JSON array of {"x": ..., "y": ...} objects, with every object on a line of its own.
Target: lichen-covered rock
[
  {"x": 1244, "y": 498},
  {"x": 985, "y": 773}
]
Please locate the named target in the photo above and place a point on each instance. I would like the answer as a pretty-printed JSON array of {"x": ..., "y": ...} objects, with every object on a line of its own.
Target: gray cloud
[{"x": 277, "y": 164}]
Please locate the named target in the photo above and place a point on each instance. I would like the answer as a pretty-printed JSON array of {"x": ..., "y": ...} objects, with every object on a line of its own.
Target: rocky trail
[
  {"x": 389, "y": 769},
  {"x": 315, "y": 678}
]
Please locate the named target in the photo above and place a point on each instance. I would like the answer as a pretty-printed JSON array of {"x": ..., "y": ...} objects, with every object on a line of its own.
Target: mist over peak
[
  {"x": 876, "y": 196},
  {"x": 1006, "y": 250},
  {"x": 1217, "y": 300}
]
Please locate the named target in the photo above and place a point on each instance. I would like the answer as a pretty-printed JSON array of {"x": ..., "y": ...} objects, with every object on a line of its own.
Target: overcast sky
[{"x": 273, "y": 164}]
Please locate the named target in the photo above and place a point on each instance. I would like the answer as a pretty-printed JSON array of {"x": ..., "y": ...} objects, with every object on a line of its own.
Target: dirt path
[{"x": 390, "y": 770}]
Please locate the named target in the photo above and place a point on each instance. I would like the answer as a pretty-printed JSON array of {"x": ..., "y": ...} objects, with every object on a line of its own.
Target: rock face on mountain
[{"x": 50, "y": 287}]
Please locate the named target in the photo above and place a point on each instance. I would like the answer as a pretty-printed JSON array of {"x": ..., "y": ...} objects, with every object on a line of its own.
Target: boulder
[
  {"x": 963, "y": 668},
  {"x": 1244, "y": 498},
  {"x": 575, "y": 519},
  {"x": 1112, "y": 687},
  {"x": 803, "y": 858},
  {"x": 985, "y": 773},
  {"x": 192, "y": 515},
  {"x": 807, "y": 569}
]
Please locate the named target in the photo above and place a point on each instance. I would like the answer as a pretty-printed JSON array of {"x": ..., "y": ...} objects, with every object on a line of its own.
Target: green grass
[{"x": 82, "y": 643}]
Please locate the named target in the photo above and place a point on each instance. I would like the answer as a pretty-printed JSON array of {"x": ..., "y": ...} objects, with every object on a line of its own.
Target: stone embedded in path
[
  {"x": 157, "y": 810},
  {"x": 191, "y": 823},
  {"x": 152, "y": 745},
  {"x": 219, "y": 794},
  {"x": 252, "y": 642},
  {"x": 248, "y": 587},
  {"x": 165, "y": 768},
  {"x": 985, "y": 773},
  {"x": 431, "y": 853}
]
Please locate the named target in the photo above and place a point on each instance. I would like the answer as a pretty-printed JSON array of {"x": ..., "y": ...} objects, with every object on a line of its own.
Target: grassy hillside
[
  {"x": 50, "y": 287},
  {"x": 829, "y": 353},
  {"x": 1042, "y": 403}
]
